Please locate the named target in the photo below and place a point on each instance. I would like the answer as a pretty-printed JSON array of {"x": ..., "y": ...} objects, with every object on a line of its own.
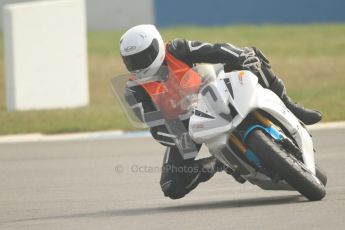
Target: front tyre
[
  {"x": 321, "y": 174},
  {"x": 276, "y": 159}
]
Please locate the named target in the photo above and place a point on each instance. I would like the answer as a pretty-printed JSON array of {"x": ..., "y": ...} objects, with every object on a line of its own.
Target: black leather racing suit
[{"x": 177, "y": 183}]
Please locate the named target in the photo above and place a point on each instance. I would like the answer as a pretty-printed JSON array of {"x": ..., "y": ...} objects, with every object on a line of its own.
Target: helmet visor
[{"x": 142, "y": 59}]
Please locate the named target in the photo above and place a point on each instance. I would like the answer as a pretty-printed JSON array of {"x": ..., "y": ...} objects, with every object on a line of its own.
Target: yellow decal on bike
[{"x": 240, "y": 77}]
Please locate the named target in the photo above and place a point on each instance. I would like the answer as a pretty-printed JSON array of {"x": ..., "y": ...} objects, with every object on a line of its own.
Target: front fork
[{"x": 264, "y": 124}]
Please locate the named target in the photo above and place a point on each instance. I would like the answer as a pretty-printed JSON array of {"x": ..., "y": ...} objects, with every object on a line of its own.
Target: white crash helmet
[{"x": 142, "y": 50}]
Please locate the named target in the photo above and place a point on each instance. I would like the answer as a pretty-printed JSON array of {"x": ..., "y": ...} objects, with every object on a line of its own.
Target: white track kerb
[{"x": 116, "y": 134}]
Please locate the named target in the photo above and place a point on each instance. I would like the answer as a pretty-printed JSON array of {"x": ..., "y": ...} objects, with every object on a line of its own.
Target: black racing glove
[{"x": 249, "y": 60}]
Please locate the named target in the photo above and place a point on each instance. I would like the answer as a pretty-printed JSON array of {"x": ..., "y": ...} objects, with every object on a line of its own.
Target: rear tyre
[{"x": 276, "y": 159}]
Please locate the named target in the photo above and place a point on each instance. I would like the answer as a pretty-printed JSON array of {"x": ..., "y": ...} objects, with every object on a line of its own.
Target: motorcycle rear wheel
[{"x": 276, "y": 159}]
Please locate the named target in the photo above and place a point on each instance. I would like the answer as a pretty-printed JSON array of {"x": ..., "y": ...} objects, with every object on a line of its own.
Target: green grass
[{"x": 309, "y": 58}]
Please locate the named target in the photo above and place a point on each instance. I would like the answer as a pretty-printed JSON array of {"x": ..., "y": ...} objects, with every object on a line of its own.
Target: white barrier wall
[{"x": 46, "y": 55}]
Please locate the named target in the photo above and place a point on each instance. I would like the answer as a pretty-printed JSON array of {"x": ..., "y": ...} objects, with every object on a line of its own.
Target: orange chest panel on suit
[{"x": 169, "y": 95}]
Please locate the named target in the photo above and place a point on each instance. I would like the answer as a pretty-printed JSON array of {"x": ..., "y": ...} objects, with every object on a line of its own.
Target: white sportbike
[{"x": 245, "y": 126}]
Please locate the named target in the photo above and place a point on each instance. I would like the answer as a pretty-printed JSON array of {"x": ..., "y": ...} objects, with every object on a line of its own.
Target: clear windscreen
[{"x": 169, "y": 100}]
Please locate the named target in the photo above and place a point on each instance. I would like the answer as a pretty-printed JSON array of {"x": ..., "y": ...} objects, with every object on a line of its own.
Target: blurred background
[{"x": 303, "y": 39}]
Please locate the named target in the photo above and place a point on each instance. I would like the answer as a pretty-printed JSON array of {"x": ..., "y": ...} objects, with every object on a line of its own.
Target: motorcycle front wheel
[
  {"x": 276, "y": 159},
  {"x": 321, "y": 174}
]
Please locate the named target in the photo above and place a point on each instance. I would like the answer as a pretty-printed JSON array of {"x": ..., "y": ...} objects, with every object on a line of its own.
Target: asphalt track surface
[{"x": 114, "y": 184}]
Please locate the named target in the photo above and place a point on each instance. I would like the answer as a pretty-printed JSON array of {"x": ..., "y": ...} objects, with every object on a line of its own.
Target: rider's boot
[
  {"x": 307, "y": 116},
  {"x": 205, "y": 169},
  {"x": 180, "y": 176},
  {"x": 208, "y": 167}
]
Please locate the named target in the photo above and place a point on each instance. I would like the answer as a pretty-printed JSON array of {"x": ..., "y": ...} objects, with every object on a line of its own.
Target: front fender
[{"x": 271, "y": 103}]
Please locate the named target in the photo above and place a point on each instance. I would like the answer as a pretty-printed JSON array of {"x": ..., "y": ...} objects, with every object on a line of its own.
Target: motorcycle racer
[{"x": 144, "y": 53}]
